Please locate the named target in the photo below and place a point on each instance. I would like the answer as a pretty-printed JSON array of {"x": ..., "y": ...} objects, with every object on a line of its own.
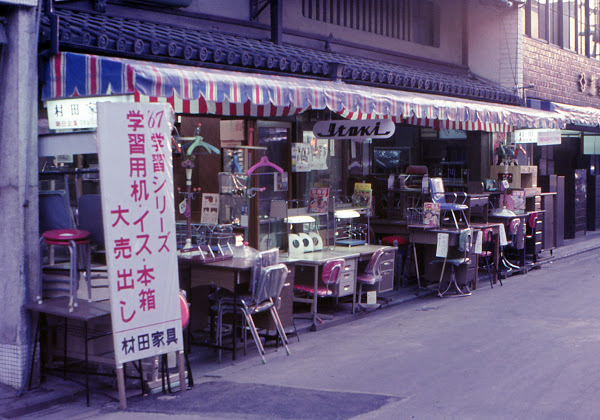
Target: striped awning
[{"x": 219, "y": 92}]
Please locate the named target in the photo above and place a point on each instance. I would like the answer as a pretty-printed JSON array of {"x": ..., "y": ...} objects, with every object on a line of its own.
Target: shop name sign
[
  {"x": 543, "y": 137},
  {"x": 354, "y": 130},
  {"x": 75, "y": 113}
]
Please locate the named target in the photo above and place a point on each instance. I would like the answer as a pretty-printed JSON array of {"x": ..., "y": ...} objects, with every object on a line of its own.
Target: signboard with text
[
  {"x": 542, "y": 137},
  {"x": 136, "y": 173},
  {"x": 78, "y": 113},
  {"x": 354, "y": 129}
]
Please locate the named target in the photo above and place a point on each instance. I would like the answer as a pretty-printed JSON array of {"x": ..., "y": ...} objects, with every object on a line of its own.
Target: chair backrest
[
  {"x": 374, "y": 266},
  {"x": 513, "y": 226},
  {"x": 90, "y": 217},
  {"x": 436, "y": 190},
  {"x": 465, "y": 240},
  {"x": 262, "y": 260},
  {"x": 270, "y": 283},
  {"x": 55, "y": 211},
  {"x": 332, "y": 271},
  {"x": 532, "y": 220}
]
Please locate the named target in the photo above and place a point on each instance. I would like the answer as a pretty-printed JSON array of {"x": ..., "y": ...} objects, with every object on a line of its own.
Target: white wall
[
  {"x": 494, "y": 43},
  {"x": 450, "y": 49}
]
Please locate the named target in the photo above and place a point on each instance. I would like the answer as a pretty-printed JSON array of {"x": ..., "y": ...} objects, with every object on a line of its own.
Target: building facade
[{"x": 425, "y": 64}]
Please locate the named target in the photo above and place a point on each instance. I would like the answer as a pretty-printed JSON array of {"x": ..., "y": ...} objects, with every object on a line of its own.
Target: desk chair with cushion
[
  {"x": 456, "y": 258},
  {"x": 370, "y": 277},
  {"x": 512, "y": 238},
  {"x": 327, "y": 287},
  {"x": 266, "y": 283},
  {"x": 438, "y": 195}
]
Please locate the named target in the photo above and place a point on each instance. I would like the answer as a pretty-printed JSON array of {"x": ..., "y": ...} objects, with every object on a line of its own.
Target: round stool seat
[
  {"x": 64, "y": 236},
  {"x": 394, "y": 240}
]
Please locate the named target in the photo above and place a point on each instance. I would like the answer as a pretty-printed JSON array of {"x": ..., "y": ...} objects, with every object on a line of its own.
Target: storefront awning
[
  {"x": 578, "y": 115},
  {"x": 199, "y": 90},
  {"x": 575, "y": 115}
]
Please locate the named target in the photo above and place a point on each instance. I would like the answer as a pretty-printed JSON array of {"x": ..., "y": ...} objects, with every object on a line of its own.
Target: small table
[{"x": 84, "y": 312}]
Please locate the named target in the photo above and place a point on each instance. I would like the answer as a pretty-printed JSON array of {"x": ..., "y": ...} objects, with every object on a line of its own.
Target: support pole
[{"x": 121, "y": 387}]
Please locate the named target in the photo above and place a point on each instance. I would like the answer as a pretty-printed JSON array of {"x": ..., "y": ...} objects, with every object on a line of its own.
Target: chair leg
[
  {"x": 280, "y": 329},
  {"x": 454, "y": 218},
  {"x": 253, "y": 330}
]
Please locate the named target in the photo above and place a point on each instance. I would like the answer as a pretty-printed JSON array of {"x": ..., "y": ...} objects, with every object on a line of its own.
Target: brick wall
[{"x": 558, "y": 74}]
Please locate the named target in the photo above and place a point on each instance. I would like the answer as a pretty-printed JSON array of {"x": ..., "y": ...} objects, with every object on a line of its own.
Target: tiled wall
[{"x": 557, "y": 74}]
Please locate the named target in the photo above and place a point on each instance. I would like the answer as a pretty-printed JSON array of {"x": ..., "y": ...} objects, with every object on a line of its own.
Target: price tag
[
  {"x": 442, "y": 245},
  {"x": 478, "y": 242},
  {"x": 503, "y": 241}
]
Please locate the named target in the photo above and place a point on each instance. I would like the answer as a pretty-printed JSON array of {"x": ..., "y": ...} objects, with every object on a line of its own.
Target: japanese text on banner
[{"x": 138, "y": 213}]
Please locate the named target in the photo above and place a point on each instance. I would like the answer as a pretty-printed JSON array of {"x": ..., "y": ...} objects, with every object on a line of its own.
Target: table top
[
  {"x": 84, "y": 311},
  {"x": 321, "y": 257},
  {"x": 516, "y": 215}
]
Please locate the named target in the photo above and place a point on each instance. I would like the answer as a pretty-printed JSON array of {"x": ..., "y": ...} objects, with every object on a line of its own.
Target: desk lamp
[{"x": 504, "y": 212}]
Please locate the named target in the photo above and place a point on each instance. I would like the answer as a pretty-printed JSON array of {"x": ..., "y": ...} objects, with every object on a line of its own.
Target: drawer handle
[{"x": 346, "y": 287}]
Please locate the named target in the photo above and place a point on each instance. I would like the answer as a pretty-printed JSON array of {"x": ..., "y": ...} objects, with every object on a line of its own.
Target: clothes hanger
[
  {"x": 264, "y": 161},
  {"x": 199, "y": 142}
]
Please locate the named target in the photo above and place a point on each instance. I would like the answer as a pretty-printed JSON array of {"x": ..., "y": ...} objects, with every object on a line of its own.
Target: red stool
[{"x": 74, "y": 240}]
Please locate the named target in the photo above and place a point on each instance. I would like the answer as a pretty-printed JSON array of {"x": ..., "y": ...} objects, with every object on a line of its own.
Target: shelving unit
[
  {"x": 454, "y": 174},
  {"x": 349, "y": 212}
]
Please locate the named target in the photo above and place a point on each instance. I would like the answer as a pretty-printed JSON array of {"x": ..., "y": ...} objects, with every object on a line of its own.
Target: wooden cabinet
[
  {"x": 517, "y": 176},
  {"x": 593, "y": 202},
  {"x": 548, "y": 200},
  {"x": 555, "y": 184},
  {"x": 575, "y": 204}
]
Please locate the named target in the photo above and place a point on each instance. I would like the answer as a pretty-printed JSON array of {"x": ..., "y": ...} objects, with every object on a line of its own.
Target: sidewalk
[{"x": 56, "y": 391}]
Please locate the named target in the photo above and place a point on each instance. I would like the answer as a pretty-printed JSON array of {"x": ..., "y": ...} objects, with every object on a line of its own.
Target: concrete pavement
[{"x": 525, "y": 350}]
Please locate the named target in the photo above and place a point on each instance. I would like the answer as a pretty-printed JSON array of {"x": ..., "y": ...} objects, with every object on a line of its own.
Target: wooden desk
[
  {"x": 229, "y": 274},
  {"x": 84, "y": 312}
]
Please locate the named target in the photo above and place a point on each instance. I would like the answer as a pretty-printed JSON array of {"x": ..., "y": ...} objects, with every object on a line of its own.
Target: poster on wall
[
  {"x": 210, "y": 209},
  {"x": 301, "y": 157},
  {"x": 138, "y": 211},
  {"x": 319, "y": 155}
]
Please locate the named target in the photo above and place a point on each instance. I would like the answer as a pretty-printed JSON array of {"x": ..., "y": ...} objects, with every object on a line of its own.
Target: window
[
  {"x": 409, "y": 20},
  {"x": 571, "y": 24}
]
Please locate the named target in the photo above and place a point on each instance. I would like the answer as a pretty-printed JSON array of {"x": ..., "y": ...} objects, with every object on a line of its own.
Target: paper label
[
  {"x": 503, "y": 241},
  {"x": 478, "y": 242},
  {"x": 442, "y": 245}
]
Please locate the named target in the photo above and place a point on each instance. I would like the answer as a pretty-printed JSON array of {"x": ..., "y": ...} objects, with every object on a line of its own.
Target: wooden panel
[{"x": 548, "y": 216}]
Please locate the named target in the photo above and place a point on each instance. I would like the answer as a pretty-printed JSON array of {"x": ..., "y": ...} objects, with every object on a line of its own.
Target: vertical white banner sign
[{"x": 138, "y": 211}]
